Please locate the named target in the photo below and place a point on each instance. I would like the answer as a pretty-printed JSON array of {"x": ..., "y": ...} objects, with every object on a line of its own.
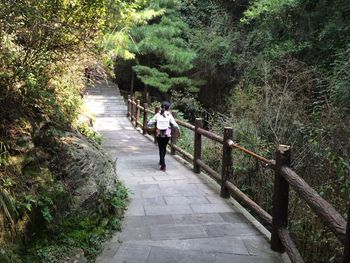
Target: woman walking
[{"x": 163, "y": 121}]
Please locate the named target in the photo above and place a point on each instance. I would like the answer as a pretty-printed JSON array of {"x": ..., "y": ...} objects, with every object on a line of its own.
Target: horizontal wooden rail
[
  {"x": 185, "y": 124},
  {"x": 150, "y": 111},
  {"x": 285, "y": 178},
  {"x": 249, "y": 203},
  {"x": 140, "y": 107},
  {"x": 210, "y": 171},
  {"x": 289, "y": 246},
  {"x": 210, "y": 135},
  {"x": 256, "y": 156},
  {"x": 184, "y": 153},
  {"x": 321, "y": 207}
]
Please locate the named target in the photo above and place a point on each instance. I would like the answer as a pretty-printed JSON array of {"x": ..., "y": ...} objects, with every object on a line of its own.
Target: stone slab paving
[{"x": 173, "y": 216}]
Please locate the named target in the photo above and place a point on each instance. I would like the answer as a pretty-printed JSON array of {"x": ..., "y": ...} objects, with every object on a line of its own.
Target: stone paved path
[{"x": 173, "y": 216}]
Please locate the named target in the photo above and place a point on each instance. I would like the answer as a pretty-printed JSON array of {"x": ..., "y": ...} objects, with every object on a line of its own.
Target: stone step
[
  {"x": 106, "y": 102},
  {"x": 102, "y": 91},
  {"x": 110, "y": 112},
  {"x": 105, "y": 98},
  {"x": 111, "y": 102},
  {"x": 103, "y": 106},
  {"x": 92, "y": 107},
  {"x": 99, "y": 104},
  {"x": 110, "y": 115},
  {"x": 114, "y": 94}
]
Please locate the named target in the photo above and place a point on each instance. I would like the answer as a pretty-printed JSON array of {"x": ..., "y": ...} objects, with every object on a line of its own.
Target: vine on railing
[{"x": 285, "y": 177}]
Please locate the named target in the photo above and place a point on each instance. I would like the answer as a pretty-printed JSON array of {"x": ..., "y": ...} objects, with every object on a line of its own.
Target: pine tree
[{"x": 163, "y": 57}]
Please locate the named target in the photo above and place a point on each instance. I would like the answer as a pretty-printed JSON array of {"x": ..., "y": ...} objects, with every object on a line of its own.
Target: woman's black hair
[{"x": 165, "y": 106}]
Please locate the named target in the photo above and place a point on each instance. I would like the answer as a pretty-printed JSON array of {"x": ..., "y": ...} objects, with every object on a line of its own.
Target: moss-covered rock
[{"x": 87, "y": 169}]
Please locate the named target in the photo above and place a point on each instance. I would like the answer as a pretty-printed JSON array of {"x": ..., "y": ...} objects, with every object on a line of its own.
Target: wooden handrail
[
  {"x": 197, "y": 153},
  {"x": 321, "y": 207},
  {"x": 139, "y": 124},
  {"x": 184, "y": 153},
  {"x": 289, "y": 245},
  {"x": 128, "y": 102},
  {"x": 210, "y": 135},
  {"x": 210, "y": 171},
  {"x": 234, "y": 145},
  {"x": 144, "y": 125},
  {"x": 150, "y": 111},
  {"x": 185, "y": 124},
  {"x": 173, "y": 139},
  {"x": 137, "y": 119},
  {"x": 280, "y": 199},
  {"x": 140, "y": 107},
  {"x": 240, "y": 196},
  {"x": 284, "y": 177},
  {"x": 227, "y": 163}
]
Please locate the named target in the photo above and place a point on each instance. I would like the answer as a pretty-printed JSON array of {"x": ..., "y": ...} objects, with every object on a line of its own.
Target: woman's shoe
[{"x": 163, "y": 168}]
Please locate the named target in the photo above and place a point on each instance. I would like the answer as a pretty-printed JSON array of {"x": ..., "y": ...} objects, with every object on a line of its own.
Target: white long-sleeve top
[{"x": 160, "y": 119}]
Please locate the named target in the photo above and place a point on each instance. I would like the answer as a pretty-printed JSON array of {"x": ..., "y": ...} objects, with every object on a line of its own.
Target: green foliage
[
  {"x": 214, "y": 43},
  {"x": 86, "y": 230},
  {"x": 89, "y": 133},
  {"x": 159, "y": 47},
  {"x": 340, "y": 78},
  {"x": 278, "y": 70},
  {"x": 121, "y": 17},
  {"x": 37, "y": 52},
  {"x": 273, "y": 8},
  {"x": 155, "y": 78},
  {"x": 44, "y": 49},
  {"x": 187, "y": 104}
]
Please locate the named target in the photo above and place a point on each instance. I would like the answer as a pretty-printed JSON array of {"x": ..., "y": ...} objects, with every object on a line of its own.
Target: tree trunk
[
  {"x": 146, "y": 94},
  {"x": 132, "y": 82}
]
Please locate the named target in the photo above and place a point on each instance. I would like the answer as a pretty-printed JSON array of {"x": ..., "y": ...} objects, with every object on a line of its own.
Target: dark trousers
[{"x": 162, "y": 143}]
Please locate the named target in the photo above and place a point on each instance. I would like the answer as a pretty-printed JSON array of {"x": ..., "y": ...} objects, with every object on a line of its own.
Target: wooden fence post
[
  {"x": 173, "y": 135},
  {"x": 155, "y": 134},
  {"x": 144, "y": 128},
  {"x": 197, "y": 145},
  {"x": 280, "y": 198},
  {"x": 346, "y": 256},
  {"x": 132, "y": 109},
  {"x": 137, "y": 113},
  {"x": 227, "y": 167},
  {"x": 129, "y": 98}
]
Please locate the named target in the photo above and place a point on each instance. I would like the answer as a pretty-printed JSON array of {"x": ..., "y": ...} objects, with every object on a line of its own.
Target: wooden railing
[{"x": 285, "y": 177}]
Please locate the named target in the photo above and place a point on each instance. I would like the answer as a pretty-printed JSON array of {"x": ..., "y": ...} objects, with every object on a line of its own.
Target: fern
[{"x": 7, "y": 206}]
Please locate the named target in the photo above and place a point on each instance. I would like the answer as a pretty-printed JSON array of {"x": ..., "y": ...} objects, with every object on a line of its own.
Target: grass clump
[{"x": 80, "y": 232}]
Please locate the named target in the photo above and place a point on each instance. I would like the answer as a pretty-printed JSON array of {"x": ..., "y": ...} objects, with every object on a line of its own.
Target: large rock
[{"x": 88, "y": 169}]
